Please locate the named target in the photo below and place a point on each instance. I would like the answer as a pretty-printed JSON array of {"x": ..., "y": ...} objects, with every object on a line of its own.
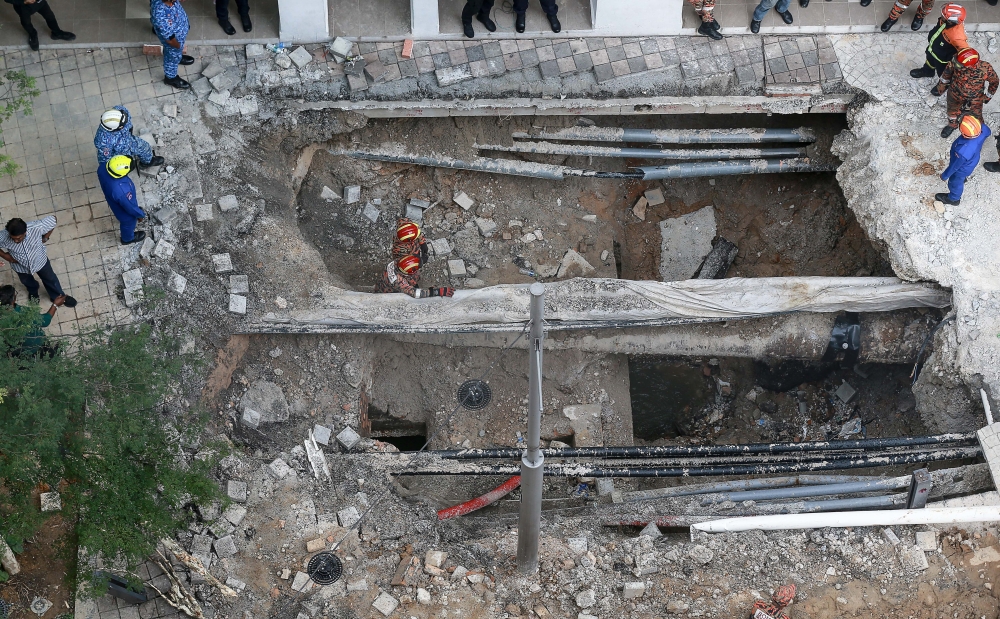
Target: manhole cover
[
  {"x": 4, "y": 609},
  {"x": 474, "y": 394},
  {"x": 325, "y": 568}
]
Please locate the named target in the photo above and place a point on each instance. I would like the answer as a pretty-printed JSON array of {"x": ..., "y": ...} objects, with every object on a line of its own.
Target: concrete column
[
  {"x": 424, "y": 18},
  {"x": 303, "y": 21},
  {"x": 636, "y": 17}
]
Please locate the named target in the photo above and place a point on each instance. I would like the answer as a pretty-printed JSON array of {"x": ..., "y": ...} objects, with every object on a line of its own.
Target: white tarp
[{"x": 606, "y": 302}]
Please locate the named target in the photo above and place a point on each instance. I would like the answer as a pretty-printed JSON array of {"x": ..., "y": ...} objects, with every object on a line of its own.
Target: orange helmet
[
  {"x": 408, "y": 264},
  {"x": 784, "y": 595},
  {"x": 406, "y": 230},
  {"x": 967, "y": 57},
  {"x": 953, "y": 12},
  {"x": 970, "y": 127}
]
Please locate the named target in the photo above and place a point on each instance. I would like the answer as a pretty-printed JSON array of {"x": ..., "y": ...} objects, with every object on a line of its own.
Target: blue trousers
[
  {"x": 49, "y": 280},
  {"x": 127, "y": 227},
  {"x": 766, "y": 5},
  {"x": 171, "y": 56},
  {"x": 956, "y": 185}
]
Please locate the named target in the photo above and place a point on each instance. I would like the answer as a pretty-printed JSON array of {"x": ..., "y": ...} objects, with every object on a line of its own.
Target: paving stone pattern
[{"x": 804, "y": 59}]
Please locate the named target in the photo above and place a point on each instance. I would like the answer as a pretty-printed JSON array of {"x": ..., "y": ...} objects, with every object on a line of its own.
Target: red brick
[
  {"x": 407, "y": 49},
  {"x": 152, "y": 50}
]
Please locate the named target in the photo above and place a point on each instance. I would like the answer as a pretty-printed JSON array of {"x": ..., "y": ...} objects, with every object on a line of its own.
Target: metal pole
[
  {"x": 920, "y": 489},
  {"x": 531, "y": 462}
]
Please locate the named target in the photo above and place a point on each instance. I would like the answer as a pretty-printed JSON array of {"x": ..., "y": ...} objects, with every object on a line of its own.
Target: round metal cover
[
  {"x": 4, "y": 609},
  {"x": 474, "y": 394},
  {"x": 325, "y": 568}
]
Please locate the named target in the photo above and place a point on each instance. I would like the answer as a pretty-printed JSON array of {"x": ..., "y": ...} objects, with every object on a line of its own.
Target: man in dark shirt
[
  {"x": 26, "y": 8},
  {"x": 35, "y": 341}
]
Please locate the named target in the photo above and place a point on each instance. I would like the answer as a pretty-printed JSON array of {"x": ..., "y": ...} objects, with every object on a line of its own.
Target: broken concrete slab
[
  {"x": 651, "y": 530},
  {"x": 385, "y": 604},
  {"x": 132, "y": 279},
  {"x": 487, "y": 227},
  {"x": 654, "y": 197},
  {"x": 239, "y": 284},
  {"x": 214, "y": 68},
  {"x": 639, "y": 210},
  {"x": 7, "y": 559},
  {"x": 254, "y": 50},
  {"x": 50, "y": 501},
  {"x": 228, "y": 203},
  {"x": 251, "y": 418},
  {"x": 464, "y": 201},
  {"x": 328, "y": 194},
  {"x": 220, "y": 98},
  {"x": 348, "y": 438},
  {"x": 201, "y": 86},
  {"x": 237, "y": 304},
  {"x": 913, "y": 560},
  {"x": 227, "y": 80},
  {"x": 267, "y": 399},
  {"x": 357, "y": 82},
  {"x": 450, "y": 76},
  {"x": 348, "y": 517},
  {"x": 927, "y": 541},
  {"x": 585, "y": 419},
  {"x": 225, "y": 547},
  {"x": 222, "y": 262},
  {"x": 686, "y": 241},
  {"x": 574, "y": 265},
  {"x": 322, "y": 434},
  {"x": 279, "y": 468},
  {"x": 341, "y": 48},
  {"x": 237, "y": 490},
  {"x": 371, "y": 212},
  {"x": 164, "y": 249},
  {"x": 845, "y": 392},
  {"x": 201, "y": 545},
  {"x": 414, "y": 212},
  {"x": 315, "y": 545},
  {"x": 632, "y": 590},
  {"x": 441, "y": 247},
  {"x": 456, "y": 268},
  {"x": 300, "y": 56},
  {"x": 203, "y": 212},
  {"x": 352, "y": 194},
  {"x": 235, "y": 514},
  {"x": 302, "y": 582}
]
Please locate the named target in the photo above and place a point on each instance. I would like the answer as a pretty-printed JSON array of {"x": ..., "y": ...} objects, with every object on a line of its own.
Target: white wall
[
  {"x": 303, "y": 21},
  {"x": 636, "y": 17}
]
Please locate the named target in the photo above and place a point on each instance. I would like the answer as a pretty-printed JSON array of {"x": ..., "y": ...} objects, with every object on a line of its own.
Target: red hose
[{"x": 480, "y": 502}]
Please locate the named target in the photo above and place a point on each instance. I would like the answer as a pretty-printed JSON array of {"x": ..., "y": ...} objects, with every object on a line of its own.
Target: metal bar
[
  {"x": 740, "y": 484},
  {"x": 546, "y": 148},
  {"x": 529, "y": 521},
  {"x": 673, "y": 136},
  {"x": 963, "y": 439},
  {"x": 496, "y": 166},
  {"x": 724, "y": 168},
  {"x": 865, "y": 502},
  {"x": 874, "y": 485},
  {"x": 920, "y": 489}
]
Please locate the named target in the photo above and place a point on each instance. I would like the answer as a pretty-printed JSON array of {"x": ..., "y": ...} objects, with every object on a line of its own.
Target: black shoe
[
  {"x": 947, "y": 131},
  {"x": 519, "y": 22},
  {"x": 865, "y": 2},
  {"x": 803, "y": 3},
  {"x": 888, "y": 24},
  {"x": 33, "y": 41},
  {"x": 715, "y": 25},
  {"x": 992, "y": 166},
  {"x": 176, "y": 82},
  {"x": 755, "y": 26},
  {"x": 554, "y": 22},
  {"x": 992, "y": 2},
  {"x": 710, "y": 32},
  {"x": 155, "y": 161},
  {"x": 136, "y": 239},
  {"x": 468, "y": 30},
  {"x": 227, "y": 27},
  {"x": 923, "y": 71},
  {"x": 786, "y": 17},
  {"x": 943, "y": 197},
  {"x": 62, "y": 35},
  {"x": 247, "y": 24},
  {"x": 486, "y": 21},
  {"x": 70, "y": 302},
  {"x": 186, "y": 60},
  {"x": 917, "y": 24}
]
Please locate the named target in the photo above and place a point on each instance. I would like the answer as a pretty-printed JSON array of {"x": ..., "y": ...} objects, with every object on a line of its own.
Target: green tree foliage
[
  {"x": 92, "y": 421},
  {"x": 16, "y": 92}
]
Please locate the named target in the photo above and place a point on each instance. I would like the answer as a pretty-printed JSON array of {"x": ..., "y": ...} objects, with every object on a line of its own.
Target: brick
[
  {"x": 225, "y": 547},
  {"x": 237, "y": 490},
  {"x": 633, "y": 590},
  {"x": 152, "y": 50},
  {"x": 435, "y": 558},
  {"x": 315, "y": 545},
  {"x": 453, "y": 75},
  {"x": 385, "y": 604},
  {"x": 407, "y": 52}
]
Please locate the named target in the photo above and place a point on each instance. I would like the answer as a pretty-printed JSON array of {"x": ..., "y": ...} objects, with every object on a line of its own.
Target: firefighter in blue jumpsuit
[
  {"x": 114, "y": 137},
  {"x": 171, "y": 25},
  {"x": 119, "y": 191},
  {"x": 965, "y": 153}
]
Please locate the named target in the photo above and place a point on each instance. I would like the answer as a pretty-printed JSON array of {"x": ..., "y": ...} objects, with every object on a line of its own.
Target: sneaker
[
  {"x": 947, "y": 131},
  {"x": 139, "y": 236},
  {"x": 62, "y": 35},
  {"x": 786, "y": 17},
  {"x": 247, "y": 24},
  {"x": 710, "y": 32},
  {"x": 33, "y": 41},
  {"x": 888, "y": 24},
  {"x": 487, "y": 22},
  {"x": 917, "y": 23},
  {"x": 923, "y": 71},
  {"x": 755, "y": 26},
  {"x": 176, "y": 82},
  {"x": 186, "y": 60},
  {"x": 519, "y": 22},
  {"x": 945, "y": 198},
  {"x": 468, "y": 30},
  {"x": 554, "y": 22},
  {"x": 227, "y": 27},
  {"x": 155, "y": 161},
  {"x": 992, "y": 166}
]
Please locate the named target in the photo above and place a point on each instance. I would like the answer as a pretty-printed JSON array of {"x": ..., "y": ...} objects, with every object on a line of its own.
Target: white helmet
[{"x": 113, "y": 120}]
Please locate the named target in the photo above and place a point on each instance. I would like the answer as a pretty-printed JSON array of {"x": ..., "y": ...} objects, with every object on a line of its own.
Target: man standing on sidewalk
[
  {"x": 706, "y": 11},
  {"x": 119, "y": 191},
  {"x": 23, "y": 246},
  {"x": 170, "y": 23},
  {"x": 780, "y": 6},
  {"x": 549, "y": 7},
  {"x": 222, "y": 14},
  {"x": 964, "y": 159},
  {"x": 480, "y": 9},
  {"x": 26, "y": 8}
]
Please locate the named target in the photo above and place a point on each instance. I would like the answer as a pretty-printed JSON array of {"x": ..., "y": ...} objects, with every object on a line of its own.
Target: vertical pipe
[{"x": 529, "y": 522}]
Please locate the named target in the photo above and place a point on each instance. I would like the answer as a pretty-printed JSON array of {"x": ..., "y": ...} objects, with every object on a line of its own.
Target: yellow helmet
[{"x": 119, "y": 166}]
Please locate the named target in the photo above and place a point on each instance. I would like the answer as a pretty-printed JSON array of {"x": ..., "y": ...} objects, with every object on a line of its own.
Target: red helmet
[
  {"x": 406, "y": 230},
  {"x": 408, "y": 264},
  {"x": 953, "y": 12},
  {"x": 967, "y": 57}
]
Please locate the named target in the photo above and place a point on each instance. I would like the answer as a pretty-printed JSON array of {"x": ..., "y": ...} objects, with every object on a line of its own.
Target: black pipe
[
  {"x": 578, "y": 470},
  {"x": 713, "y": 450}
]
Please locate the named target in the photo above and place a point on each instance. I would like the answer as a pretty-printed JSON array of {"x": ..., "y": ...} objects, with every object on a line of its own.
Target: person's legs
[
  {"x": 926, "y": 6},
  {"x": 782, "y": 6},
  {"x": 486, "y": 8},
  {"x": 549, "y": 7},
  {"x": 222, "y": 10},
  {"x": 954, "y": 110},
  {"x": 761, "y": 11},
  {"x": 50, "y": 281},
  {"x": 28, "y": 281},
  {"x": 956, "y": 185},
  {"x": 243, "y": 6},
  {"x": 127, "y": 227},
  {"x": 171, "y": 58},
  {"x": 50, "y": 18},
  {"x": 25, "y": 13},
  {"x": 470, "y": 10},
  {"x": 520, "y": 6},
  {"x": 898, "y": 8}
]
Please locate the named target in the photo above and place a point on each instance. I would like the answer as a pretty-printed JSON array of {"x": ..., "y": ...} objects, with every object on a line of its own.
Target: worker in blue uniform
[
  {"x": 114, "y": 137},
  {"x": 965, "y": 153},
  {"x": 119, "y": 191},
  {"x": 170, "y": 23}
]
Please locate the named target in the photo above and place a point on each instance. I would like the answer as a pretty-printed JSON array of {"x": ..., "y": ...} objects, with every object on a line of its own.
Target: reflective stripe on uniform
[{"x": 930, "y": 44}]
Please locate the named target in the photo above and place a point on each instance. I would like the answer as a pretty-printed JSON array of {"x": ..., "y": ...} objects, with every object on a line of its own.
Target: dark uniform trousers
[
  {"x": 476, "y": 7},
  {"x": 222, "y": 9},
  {"x": 25, "y": 11},
  {"x": 548, "y": 6}
]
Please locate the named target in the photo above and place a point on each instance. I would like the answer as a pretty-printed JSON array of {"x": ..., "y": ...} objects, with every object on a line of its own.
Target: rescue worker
[
  {"x": 968, "y": 81},
  {"x": 170, "y": 23},
  {"x": 993, "y": 166},
  {"x": 706, "y": 11},
  {"x": 480, "y": 9},
  {"x": 403, "y": 275},
  {"x": 901, "y": 5},
  {"x": 119, "y": 191},
  {"x": 943, "y": 41},
  {"x": 114, "y": 137},
  {"x": 409, "y": 241},
  {"x": 964, "y": 158},
  {"x": 781, "y": 598}
]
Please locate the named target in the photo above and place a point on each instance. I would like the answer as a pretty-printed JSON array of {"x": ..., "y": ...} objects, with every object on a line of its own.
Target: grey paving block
[
  {"x": 649, "y": 46},
  {"x": 583, "y": 62},
  {"x": 492, "y": 49},
  {"x": 690, "y": 69},
  {"x": 549, "y": 68},
  {"x": 595, "y": 43},
  {"x": 670, "y": 58},
  {"x": 562, "y": 50},
  {"x": 475, "y": 53},
  {"x": 603, "y": 72},
  {"x": 388, "y": 56},
  {"x": 529, "y": 58},
  {"x": 806, "y": 44},
  {"x": 367, "y": 48},
  {"x": 788, "y": 47},
  {"x": 616, "y": 53},
  {"x": 408, "y": 68},
  {"x": 632, "y": 50},
  {"x": 810, "y": 58},
  {"x": 441, "y": 61},
  {"x": 777, "y": 65},
  {"x": 637, "y": 64},
  {"x": 831, "y": 72}
]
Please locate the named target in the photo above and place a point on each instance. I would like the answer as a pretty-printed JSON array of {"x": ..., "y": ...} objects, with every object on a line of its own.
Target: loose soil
[{"x": 48, "y": 566}]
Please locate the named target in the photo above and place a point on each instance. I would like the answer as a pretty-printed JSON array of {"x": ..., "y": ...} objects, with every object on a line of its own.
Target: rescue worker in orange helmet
[
  {"x": 403, "y": 275},
  {"x": 409, "y": 241},
  {"x": 970, "y": 83},
  {"x": 781, "y": 598},
  {"x": 943, "y": 41},
  {"x": 964, "y": 158}
]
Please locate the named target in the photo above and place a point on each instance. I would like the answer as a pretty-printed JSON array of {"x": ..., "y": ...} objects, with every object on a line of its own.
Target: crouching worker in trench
[
  {"x": 34, "y": 342},
  {"x": 403, "y": 275}
]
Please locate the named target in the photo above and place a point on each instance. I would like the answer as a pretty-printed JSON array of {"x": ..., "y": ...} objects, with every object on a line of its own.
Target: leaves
[{"x": 16, "y": 91}]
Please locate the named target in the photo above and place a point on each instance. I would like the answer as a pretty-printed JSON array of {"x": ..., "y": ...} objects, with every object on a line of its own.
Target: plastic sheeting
[{"x": 608, "y": 303}]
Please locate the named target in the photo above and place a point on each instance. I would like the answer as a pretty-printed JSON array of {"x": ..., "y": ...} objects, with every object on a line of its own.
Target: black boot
[
  {"x": 992, "y": 166},
  {"x": 247, "y": 24},
  {"x": 715, "y": 25},
  {"x": 803, "y": 3},
  {"x": 468, "y": 30},
  {"x": 62, "y": 35},
  {"x": 33, "y": 41},
  {"x": 186, "y": 60},
  {"x": 487, "y": 22},
  {"x": 710, "y": 32},
  {"x": 947, "y": 131},
  {"x": 139, "y": 236},
  {"x": 176, "y": 82},
  {"x": 888, "y": 24},
  {"x": 227, "y": 27},
  {"x": 155, "y": 161},
  {"x": 554, "y": 22},
  {"x": 943, "y": 197},
  {"x": 786, "y": 16},
  {"x": 755, "y": 26},
  {"x": 923, "y": 71},
  {"x": 917, "y": 24},
  {"x": 519, "y": 22}
]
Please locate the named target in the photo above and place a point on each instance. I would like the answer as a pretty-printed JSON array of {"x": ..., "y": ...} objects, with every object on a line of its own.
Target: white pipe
[
  {"x": 784, "y": 522},
  {"x": 986, "y": 407}
]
